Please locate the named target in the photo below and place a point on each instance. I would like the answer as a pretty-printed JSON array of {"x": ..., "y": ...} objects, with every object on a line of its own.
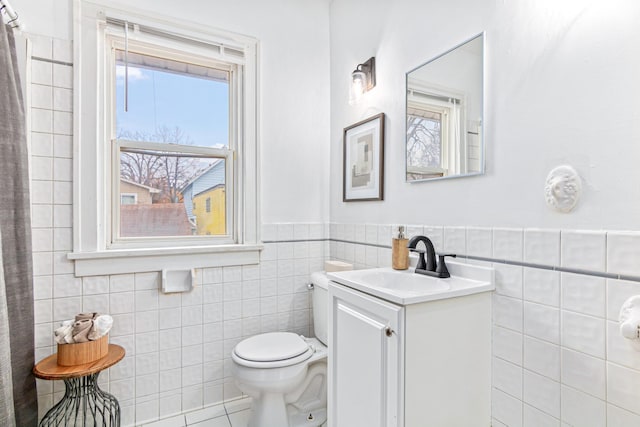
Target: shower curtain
[{"x": 18, "y": 402}]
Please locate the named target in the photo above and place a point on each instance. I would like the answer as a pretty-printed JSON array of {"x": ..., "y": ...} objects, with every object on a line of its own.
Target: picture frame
[{"x": 363, "y": 160}]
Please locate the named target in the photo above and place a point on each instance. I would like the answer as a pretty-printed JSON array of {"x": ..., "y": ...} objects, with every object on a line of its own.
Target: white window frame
[{"x": 94, "y": 176}]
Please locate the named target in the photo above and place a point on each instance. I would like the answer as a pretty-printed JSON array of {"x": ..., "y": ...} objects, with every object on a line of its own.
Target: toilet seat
[{"x": 272, "y": 350}]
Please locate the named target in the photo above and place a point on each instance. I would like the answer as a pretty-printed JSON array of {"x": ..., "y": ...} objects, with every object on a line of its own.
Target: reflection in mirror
[{"x": 444, "y": 115}]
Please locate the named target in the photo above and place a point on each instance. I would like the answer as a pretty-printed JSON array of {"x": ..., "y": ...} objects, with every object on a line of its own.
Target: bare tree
[
  {"x": 166, "y": 171},
  {"x": 423, "y": 141}
]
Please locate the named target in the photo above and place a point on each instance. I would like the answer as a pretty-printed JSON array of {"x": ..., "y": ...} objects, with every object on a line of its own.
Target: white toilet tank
[{"x": 320, "y": 283}]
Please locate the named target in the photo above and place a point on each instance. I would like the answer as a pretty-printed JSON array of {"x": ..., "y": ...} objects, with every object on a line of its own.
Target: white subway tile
[
  {"x": 618, "y": 417},
  {"x": 63, "y": 146},
  {"x": 66, "y": 308},
  {"x": 618, "y": 291},
  {"x": 147, "y": 342},
  {"x": 62, "y": 75},
  {"x": 507, "y": 344},
  {"x": 269, "y": 232},
  {"x": 542, "y": 286},
  {"x": 121, "y": 302},
  {"x": 542, "y": 393},
  {"x": 623, "y": 253},
  {"x": 506, "y": 409},
  {"x": 412, "y": 231},
  {"x": 42, "y": 72},
  {"x": 580, "y": 409},
  {"x": 62, "y": 169},
  {"x": 42, "y": 216},
  {"x": 507, "y": 312},
  {"x": 508, "y": 244},
  {"x": 623, "y": 387},
  {"x": 583, "y": 372},
  {"x": 542, "y": 322},
  {"x": 66, "y": 285},
  {"x": 508, "y": 279},
  {"x": 480, "y": 242},
  {"x": 542, "y": 246},
  {"x": 385, "y": 234},
  {"x": 536, "y": 418},
  {"x": 583, "y": 250},
  {"x": 583, "y": 333},
  {"x": 41, "y": 144},
  {"x": 41, "y": 168},
  {"x": 62, "y": 123},
  {"x": 62, "y": 239},
  {"x": 62, "y": 193},
  {"x": 41, "y": 96},
  {"x": 371, "y": 233},
  {"x": 542, "y": 357},
  {"x": 146, "y": 321},
  {"x": 41, "y": 192},
  {"x": 96, "y": 303},
  {"x": 455, "y": 240},
  {"x": 583, "y": 294},
  {"x": 317, "y": 231},
  {"x": 42, "y": 239},
  {"x": 507, "y": 377},
  {"x": 285, "y": 231}
]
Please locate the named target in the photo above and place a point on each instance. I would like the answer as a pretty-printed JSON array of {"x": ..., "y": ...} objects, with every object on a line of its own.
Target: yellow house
[{"x": 209, "y": 208}]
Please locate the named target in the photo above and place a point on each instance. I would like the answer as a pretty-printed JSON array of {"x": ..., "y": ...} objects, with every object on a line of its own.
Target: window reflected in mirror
[{"x": 444, "y": 115}]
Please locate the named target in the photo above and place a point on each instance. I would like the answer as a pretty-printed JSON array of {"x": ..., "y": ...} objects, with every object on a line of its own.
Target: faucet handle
[
  {"x": 422, "y": 264},
  {"x": 441, "y": 268}
]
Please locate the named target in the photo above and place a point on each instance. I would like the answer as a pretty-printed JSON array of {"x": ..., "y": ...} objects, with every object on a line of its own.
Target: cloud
[{"x": 134, "y": 74}]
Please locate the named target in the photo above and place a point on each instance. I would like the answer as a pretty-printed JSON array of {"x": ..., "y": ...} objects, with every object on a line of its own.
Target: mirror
[{"x": 444, "y": 115}]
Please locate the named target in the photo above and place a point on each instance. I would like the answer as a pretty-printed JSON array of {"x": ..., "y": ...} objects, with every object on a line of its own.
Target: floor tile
[
  {"x": 177, "y": 421},
  {"x": 222, "y": 421},
  {"x": 205, "y": 414},
  {"x": 238, "y": 405},
  {"x": 239, "y": 419}
]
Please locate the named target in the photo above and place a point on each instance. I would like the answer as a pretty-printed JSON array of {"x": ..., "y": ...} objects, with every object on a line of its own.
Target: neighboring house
[
  {"x": 132, "y": 193},
  {"x": 209, "y": 211},
  {"x": 140, "y": 217},
  {"x": 160, "y": 219},
  {"x": 207, "y": 185}
]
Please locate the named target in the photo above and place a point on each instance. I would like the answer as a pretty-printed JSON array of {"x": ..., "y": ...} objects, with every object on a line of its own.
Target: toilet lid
[{"x": 272, "y": 346}]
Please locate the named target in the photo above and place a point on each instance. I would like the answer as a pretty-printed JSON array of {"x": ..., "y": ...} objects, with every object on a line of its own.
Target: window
[
  {"x": 174, "y": 129},
  {"x": 128, "y": 199},
  {"x": 434, "y": 126}
]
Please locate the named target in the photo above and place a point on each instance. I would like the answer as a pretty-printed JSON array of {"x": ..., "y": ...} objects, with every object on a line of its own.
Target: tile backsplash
[{"x": 558, "y": 356}]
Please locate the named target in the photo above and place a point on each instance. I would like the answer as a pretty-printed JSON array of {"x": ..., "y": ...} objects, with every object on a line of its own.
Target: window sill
[{"x": 123, "y": 261}]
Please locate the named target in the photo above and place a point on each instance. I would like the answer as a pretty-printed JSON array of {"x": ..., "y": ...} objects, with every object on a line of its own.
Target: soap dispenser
[{"x": 399, "y": 251}]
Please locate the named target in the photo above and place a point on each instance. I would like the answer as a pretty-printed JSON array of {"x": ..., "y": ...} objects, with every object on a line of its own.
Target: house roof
[
  {"x": 202, "y": 173},
  {"x": 151, "y": 189},
  {"x": 160, "y": 219}
]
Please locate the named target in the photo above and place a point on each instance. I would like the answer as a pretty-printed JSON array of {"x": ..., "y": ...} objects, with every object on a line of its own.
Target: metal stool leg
[{"x": 84, "y": 404}]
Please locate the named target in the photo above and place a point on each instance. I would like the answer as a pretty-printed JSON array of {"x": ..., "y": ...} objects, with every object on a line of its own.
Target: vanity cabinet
[{"x": 425, "y": 364}]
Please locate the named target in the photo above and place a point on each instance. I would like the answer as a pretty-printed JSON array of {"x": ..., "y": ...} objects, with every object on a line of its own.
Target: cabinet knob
[{"x": 388, "y": 331}]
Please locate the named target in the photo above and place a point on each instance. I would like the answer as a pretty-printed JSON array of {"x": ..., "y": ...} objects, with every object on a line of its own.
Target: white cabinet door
[{"x": 366, "y": 360}]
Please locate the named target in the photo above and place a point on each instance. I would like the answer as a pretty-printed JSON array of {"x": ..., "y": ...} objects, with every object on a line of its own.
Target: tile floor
[{"x": 234, "y": 413}]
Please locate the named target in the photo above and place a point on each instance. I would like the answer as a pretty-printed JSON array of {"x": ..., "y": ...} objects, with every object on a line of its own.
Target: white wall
[
  {"x": 562, "y": 87},
  {"x": 294, "y": 76}
]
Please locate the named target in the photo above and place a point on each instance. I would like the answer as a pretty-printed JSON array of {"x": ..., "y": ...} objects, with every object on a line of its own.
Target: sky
[{"x": 198, "y": 106}]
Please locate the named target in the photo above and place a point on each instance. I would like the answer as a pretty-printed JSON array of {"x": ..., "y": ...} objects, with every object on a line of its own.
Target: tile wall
[
  {"x": 558, "y": 358},
  {"x": 177, "y": 345}
]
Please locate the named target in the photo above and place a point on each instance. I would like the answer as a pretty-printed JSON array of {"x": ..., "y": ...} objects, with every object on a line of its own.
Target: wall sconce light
[{"x": 363, "y": 79}]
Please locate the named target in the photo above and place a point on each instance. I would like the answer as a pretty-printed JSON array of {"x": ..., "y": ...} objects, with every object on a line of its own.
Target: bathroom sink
[{"x": 405, "y": 287}]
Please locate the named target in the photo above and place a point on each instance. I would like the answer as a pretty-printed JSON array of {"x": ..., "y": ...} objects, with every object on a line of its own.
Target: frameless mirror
[{"x": 444, "y": 115}]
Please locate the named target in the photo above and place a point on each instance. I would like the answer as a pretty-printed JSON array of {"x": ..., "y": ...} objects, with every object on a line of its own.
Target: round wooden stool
[{"x": 83, "y": 403}]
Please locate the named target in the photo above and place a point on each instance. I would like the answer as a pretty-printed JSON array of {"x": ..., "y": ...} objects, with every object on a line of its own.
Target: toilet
[{"x": 284, "y": 373}]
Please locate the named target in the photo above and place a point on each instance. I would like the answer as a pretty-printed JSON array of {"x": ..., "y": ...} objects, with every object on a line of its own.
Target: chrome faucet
[{"x": 429, "y": 266}]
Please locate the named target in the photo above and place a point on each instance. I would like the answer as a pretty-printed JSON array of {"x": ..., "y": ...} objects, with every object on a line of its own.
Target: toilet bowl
[{"x": 285, "y": 374}]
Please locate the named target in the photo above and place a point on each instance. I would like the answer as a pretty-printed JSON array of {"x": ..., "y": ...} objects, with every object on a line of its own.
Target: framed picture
[{"x": 363, "y": 158}]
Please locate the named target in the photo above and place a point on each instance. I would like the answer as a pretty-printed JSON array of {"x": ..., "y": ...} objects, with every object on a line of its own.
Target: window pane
[
  {"x": 171, "y": 101},
  {"x": 424, "y": 144},
  {"x": 175, "y": 195}
]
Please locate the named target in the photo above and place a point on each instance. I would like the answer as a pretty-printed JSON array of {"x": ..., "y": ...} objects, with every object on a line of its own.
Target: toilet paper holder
[{"x": 629, "y": 320}]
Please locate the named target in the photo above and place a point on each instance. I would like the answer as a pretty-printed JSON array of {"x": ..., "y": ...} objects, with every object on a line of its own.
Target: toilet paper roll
[{"x": 629, "y": 320}]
